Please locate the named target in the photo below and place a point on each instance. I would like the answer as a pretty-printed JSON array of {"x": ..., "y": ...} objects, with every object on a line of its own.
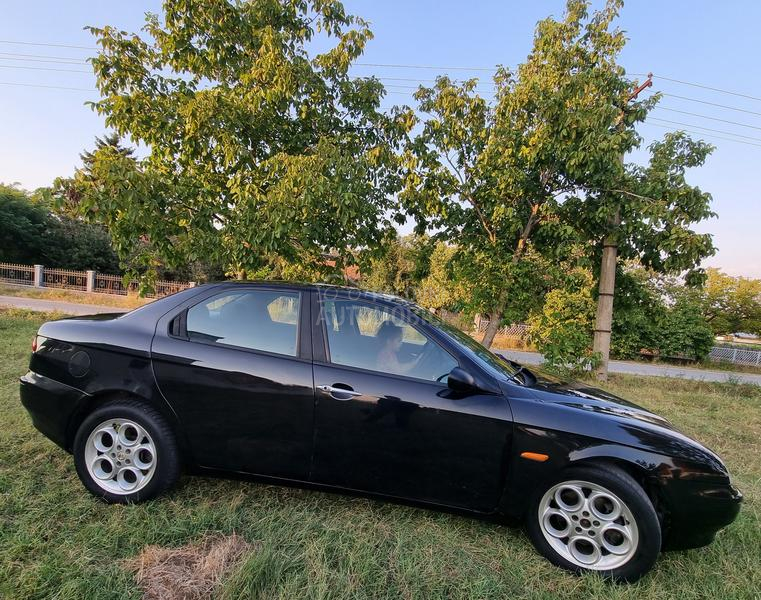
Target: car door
[
  {"x": 236, "y": 368},
  {"x": 391, "y": 425}
]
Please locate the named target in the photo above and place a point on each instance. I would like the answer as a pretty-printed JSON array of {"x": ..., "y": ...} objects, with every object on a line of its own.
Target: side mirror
[{"x": 461, "y": 381}]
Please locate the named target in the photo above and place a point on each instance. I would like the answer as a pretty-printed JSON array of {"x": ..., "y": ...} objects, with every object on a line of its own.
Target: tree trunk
[
  {"x": 495, "y": 318},
  {"x": 605, "y": 295}
]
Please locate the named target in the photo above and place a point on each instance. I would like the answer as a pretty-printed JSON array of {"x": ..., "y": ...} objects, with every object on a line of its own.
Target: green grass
[{"x": 56, "y": 541}]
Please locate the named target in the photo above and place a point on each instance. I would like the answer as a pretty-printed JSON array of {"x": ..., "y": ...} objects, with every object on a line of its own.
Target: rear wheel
[
  {"x": 125, "y": 452},
  {"x": 596, "y": 519}
]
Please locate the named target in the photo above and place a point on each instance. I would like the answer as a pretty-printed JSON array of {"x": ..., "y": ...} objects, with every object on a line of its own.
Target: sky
[{"x": 44, "y": 129}]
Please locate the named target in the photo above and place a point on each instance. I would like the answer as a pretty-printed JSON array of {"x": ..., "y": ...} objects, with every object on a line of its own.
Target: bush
[{"x": 562, "y": 331}]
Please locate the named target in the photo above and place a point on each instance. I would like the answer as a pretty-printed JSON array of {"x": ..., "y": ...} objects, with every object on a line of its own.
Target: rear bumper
[
  {"x": 51, "y": 405},
  {"x": 698, "y": 512}
]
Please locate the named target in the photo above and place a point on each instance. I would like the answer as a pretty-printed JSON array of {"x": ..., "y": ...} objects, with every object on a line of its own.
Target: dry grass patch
[{"x": 188, "y": 572}]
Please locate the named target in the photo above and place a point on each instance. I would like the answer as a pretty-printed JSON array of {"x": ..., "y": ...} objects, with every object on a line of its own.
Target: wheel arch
[{"x": 102, "y": 397}]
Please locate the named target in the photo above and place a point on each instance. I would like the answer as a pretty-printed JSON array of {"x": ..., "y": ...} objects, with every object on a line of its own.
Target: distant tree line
[{"x": 31, "y": 232}]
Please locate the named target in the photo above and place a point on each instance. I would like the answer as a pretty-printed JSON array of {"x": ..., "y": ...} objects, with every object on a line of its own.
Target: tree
[
  {"x": 441, "y": 289},
  {"x": 732, "y": 304},
  {"x": 400, "y": 268},
  {"x": 22, "y": 227},
  {"x": 659, "y": 315},
  {"x": 540, "y": 170},
  {"x": 32, "y": 233},
  {"x": 494, "y": 178},
  {"x": 256, "y": 151}
]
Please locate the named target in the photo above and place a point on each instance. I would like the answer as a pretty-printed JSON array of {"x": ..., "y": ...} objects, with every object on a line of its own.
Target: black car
[{"x": 342, "y": 389}]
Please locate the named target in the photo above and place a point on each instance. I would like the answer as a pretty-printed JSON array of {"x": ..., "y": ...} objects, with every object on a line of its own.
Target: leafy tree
[
  {"x": 256, "y": 151},
  {"x": 660, "y": 315},
  {"x": 441, "y": 289},
  {"x": 638, "y": 307},
  {"x": 540, "y": 170},
  {"x": 732, "y": 304},
  {"x": 494, "y": 178},
  {"x": 22, "y": 227},
  {"x": 682, "y": 330},
  {"x": 400, "y": 268},
  {"x": 31, "y": 233}
]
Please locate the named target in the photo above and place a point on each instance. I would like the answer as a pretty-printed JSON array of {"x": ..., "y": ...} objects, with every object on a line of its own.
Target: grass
[
  {"x": 56, "y": 541},
  {"x": 131, "y": 301}
]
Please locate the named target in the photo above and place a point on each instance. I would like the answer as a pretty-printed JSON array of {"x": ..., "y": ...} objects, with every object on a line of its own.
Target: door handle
[{"x": 333, "y": 391}]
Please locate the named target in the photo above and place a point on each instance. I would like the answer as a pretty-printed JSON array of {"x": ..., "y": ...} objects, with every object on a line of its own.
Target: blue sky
[{"x": 42, "y": 130}]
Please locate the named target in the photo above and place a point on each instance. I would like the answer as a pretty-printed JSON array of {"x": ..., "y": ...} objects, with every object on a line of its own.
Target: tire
[
  {"x": 622, "y": 549},
  {"x": 126, "y": 452}
]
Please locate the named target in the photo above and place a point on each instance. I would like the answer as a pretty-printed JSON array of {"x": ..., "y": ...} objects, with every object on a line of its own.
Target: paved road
[
  {"x": 71, "y": 308},
  {"x": 637, "y": 368},
  {"x": 528, "y": 358}
]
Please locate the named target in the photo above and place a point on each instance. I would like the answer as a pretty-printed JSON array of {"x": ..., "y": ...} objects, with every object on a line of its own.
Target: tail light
[{"x": 34, "y": 344}]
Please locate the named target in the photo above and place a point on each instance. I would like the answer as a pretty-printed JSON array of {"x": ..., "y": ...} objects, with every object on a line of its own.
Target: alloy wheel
[
  {"x": 120, "y": 456},
  {"x": 588, "y": 525}
]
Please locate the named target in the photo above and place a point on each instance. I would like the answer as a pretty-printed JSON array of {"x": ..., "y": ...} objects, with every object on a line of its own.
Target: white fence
[
  {"x": 517, "y": 330},
  {"x": 739, "y": 356},
  {"x": 84, "y": 281}
]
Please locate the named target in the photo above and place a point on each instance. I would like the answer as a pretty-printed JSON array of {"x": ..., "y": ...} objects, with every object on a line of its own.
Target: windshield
[{"x": 494, "y": 364}]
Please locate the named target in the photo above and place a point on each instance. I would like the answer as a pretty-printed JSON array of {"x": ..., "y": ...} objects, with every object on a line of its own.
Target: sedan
[{"x": 340, "y": 389}]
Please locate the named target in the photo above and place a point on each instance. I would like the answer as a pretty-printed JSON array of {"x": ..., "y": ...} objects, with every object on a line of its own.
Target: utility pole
[{"x": 607, "y": 284}]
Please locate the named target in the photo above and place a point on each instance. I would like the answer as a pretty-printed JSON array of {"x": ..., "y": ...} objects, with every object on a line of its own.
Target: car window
[
  {"x": 254, "y": 319},
  {"x": 374, "y": 338}
]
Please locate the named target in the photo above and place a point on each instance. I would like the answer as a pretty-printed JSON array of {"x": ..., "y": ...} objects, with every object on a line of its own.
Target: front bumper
[
  {"x": 51, "y": 405},
  {"x": 697, "y": 512}
]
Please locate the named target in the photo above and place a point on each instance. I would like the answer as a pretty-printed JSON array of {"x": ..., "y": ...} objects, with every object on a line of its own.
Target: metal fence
[
  {"x": 738, "y": 356},
  {"x": 16, "y": 274},
  {"x": 65, "y": 279},
  {"x": 83, "y": 281}
]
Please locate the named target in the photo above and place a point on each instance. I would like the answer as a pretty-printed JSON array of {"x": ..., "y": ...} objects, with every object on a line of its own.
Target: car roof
[{"x": 356, "y": 292}]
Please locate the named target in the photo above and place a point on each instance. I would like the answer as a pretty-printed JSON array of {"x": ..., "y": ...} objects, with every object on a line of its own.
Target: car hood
[
  {"x": 620, "y": 421},
  {"x": 582, "y": 396}
]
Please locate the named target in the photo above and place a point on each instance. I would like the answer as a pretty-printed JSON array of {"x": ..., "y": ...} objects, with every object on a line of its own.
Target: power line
[
  {"x": 708, "y": 87},
  {"x": 44, "y": 56},
  {"x": 44, "y": 69},
  {"x": 39, "y": 60},
  {"x": 52, "y": 87},
  {"x": 490, "y": 69},
  {"x": 743, "y": 110},
  {"x": 707, "y": 129},
  {"x": 692, "y": 114},
  {"x": 703, "y": 134},
  {"x": 49, "y": 45}
]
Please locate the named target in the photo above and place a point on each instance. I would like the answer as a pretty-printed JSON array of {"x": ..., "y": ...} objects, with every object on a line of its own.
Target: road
[
  {"x": 70, "y": 308},
  {"x": 651, "y": 370},
  {"x": 528, "y": 358}
]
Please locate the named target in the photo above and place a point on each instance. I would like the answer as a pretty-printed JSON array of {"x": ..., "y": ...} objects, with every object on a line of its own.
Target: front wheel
[
  {"x": 596, "y": 519},
  {"x": 125, "y": 451}
]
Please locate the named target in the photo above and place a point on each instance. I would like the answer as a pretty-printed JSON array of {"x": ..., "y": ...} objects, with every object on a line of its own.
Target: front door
[
  {"x": 234, "y": 369},
  {"x": 386, "y": 421}
]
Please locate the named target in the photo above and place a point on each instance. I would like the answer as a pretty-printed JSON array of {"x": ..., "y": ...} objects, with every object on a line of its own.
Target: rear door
[
  {"x": 386, "y": 421},
  {"x": 236, "y": 368}
]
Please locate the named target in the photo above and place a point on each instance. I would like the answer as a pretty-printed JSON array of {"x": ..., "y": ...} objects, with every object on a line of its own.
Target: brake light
[{"x": 34, "y": 344}]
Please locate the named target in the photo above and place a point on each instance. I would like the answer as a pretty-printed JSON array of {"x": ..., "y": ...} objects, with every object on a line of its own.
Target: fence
[
  {"x": 736, "y": 355},
  {"x": 83, "y": 281},
  {"x": 16, "y": 274},
  {"x": 516, "y": 330}
]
